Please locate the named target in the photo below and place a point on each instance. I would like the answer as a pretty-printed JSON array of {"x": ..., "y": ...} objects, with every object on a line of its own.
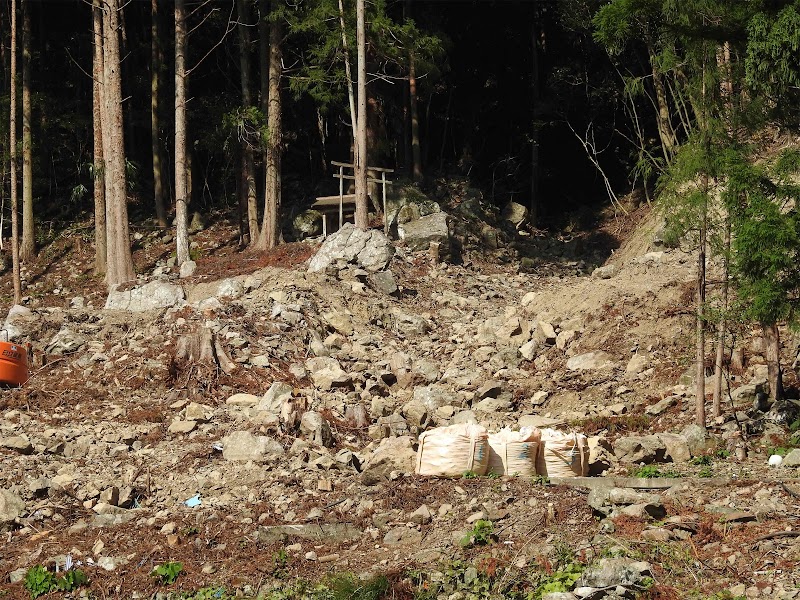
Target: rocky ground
[{"x": 255, "y": 420}]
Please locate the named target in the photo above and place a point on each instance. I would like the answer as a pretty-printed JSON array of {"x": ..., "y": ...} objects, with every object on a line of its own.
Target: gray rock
[
  {"x": 637, "y": 364},
  {"x": 370, "y": 249},
  {"x": 559, "y": 596},
  {"x": 188, "y": 269},
  {"x": 19, "y": 322},
  {"x": 393, "y": 455},
  {"x": 316, "y": 429},
  {"x": 605, "y": 272},
  {"x": 545, "y": 333},
  {"x": 326, "y": 373},
  {"x": 591, "y": 361},
  {"x": 316, "y": 532},
  {"x": 697, "y": 439},
  {"x": 384, "y": 282},
  {"x": 18, "y": 444},
  {"x": 677, "y": 447},
  {"x": 277, "y": 394},
  {"x": 515, "y": 213},
  {"x": 401, "y": 536},
  {"x": 435, "y": 396},
  {"x": 66, "y": 341},
  {"x": 792, "y": 459},
  {"x": 150, "y": 296},
  {"x": 197, "y": 224},
  {"x": 608, "y": 572},
  {"x": 244, "y": 446},
  {"x": 307, "y": 224},
  {"x": 640, "y": 449},
  {"x": 419, "y": 234},
  {"x": 11, "y": 508},
  {"x": 661, "y": 406}
]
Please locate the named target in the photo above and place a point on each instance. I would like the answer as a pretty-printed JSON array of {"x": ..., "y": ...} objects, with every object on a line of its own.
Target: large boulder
[
  {"x": 244, "y": 446},
  {"x": 19, "y": 322},
  {"x": 150, "y": 296},
  {"x": 515, "y": 213},
  {"x": 307, "y": 224},
  {"x": 394, "y": 455},
  {"x": 591, "y": 361},
  {"x": 419, "y": 234},
  {"x": 327, "y": 373},
  {"x": 640, "y": 449},
  {"x": 371, "y": 249},
  {"x": 407, "y": 203}
]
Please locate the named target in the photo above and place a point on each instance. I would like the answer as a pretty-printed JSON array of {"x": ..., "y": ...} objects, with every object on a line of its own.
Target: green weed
[
  {"x": 482, "y": 533},
  {"x": 167, "y": 573}
]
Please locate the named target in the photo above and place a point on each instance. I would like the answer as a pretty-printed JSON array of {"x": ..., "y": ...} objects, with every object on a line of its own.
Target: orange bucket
[{"x": 13, "y": 364}]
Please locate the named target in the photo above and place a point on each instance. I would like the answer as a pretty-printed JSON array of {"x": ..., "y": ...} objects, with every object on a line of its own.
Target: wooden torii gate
[{"x": 328, "y": 204}]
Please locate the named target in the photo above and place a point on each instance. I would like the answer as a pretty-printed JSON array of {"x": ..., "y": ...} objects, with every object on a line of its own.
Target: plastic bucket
[{"x": 13, "y": 364}]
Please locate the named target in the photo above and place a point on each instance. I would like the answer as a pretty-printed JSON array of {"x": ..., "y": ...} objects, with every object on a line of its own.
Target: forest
[{"x": 148, "y": 111}]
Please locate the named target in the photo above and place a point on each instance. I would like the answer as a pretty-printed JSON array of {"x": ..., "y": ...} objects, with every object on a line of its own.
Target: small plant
[
  {"x": 705, "y": 472},
  {"x": 469, "y": 475},
  {"x": 493, "y": 475},
  {"x": 653, "y": 472},
  {"x": 167, "y": 573},
  {"x": 39, "y": 581},
  {"x": 703, "y": 461},
  {"x": 482, "y": 533},
  {"x": 280, "y": 562},
  {"x": 562, "y": 580},
  {"x": 541, "y": 480}
]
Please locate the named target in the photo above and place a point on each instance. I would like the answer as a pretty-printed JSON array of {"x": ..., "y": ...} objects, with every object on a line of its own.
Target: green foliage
[
  {"x": 39, "y": 581},
  {"x": 705, "y": 472},
  {"x": 653, "y": 472},
  {"x": 482, "y": 533},
  {"x": 704, "y": 460},
  {"x": 469, "y": 475},
  {"x": 541, "y": 480},
  {"x": 167, "y": 573},
  {"x": 561, "y": 580},
  {"x": 347, "y": 586}
]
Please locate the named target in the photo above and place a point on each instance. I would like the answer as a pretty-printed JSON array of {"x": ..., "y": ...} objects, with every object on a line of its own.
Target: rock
[
  {"x": 559, "y": 596},
  {"x": 545, "y": 333},
  {"x": 604, "y": 499},
  {"x": 370, "y": 250},
  {"x": 591, "y": 361},
  {"x": 316, "y": 429},
  {"x": 637, "y": 364},
  {"x": 384, "y": 282},
  {"x": 244, "y": 446},
  {"x": 66, "y": 341},
  {"x": 316, "y": 532},
  {"x": 188, "y": 269},
  {"x": 243, "y": 400},
  {"x": 326, "y": 373},
  {"x": 401, "y": 536},
  {"x": 394, "y": 454},
  {"x": 277, "y": 395},
  {"x": 515, "y": 213},
  {"x": 609, "y": 572},
  {"x": 201, "y": 413},
  {"x": 792, "y": 459},
  {"x": 697, "y": 439},
  {"x": 677, "y": 449},
  {"x": 150, "y": 296},
  {"x": 307, "y": 224},
  {"x": 182, "y": 426},
  {"x": 435, "y": 396},
  {"x": 605, "y": 272},
  {"x": 11, "y": 508},
  {"x": 640, "y": 449},
  {"x": 661, "y": 406},
  {"x": 19, "y": 322},
  {"x": 528, "y": 350},
  {"x": 419, "y": 234},
  {"x": 197, "y": 224},
  {"x": 18, "y": 444},
  {"x": 421, "y": 516}
]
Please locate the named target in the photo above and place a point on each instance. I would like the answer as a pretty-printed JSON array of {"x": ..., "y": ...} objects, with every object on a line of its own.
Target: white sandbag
[
  {"x": 514, "y": 452},
  {"x": 563, "y": 454},
  {"x": 452, "y": 451}
]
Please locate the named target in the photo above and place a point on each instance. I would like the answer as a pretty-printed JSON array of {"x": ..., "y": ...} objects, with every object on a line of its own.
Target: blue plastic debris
[{"x": 194, "y": 501}]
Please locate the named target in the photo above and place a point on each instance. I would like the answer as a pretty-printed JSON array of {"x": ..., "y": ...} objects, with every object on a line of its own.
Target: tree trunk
[
  {"x": 721, "y": 326},
  {"x": 416, "y": 155},
  {"x": 700, "y": 370},
  {"x": 772, "y": 341},
  {"x": 13, "y": 146},
  {"x": 156, "y": 64},
  {"x": 99, "y": 169},
  {"x": 362, "y": 209},
  {"x": 270, "y": 234},
  {"x": 181, "y": 179},
  {"x": 27, "y": 251},
  {"x": 248, "y": 163},
  {"x": 120, "y": 260},
  {"x": 349, "y": 77}
]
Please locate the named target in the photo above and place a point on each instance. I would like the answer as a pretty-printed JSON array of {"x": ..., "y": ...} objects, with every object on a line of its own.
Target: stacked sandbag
[
  {"x": 562, "y": 454},
  {"x": 514, "y": 452},
  {"x": 452, "y": 451}
]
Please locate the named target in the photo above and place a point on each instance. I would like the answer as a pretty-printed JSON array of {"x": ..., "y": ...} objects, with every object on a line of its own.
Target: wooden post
[{"x": 341, "y": 196}]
